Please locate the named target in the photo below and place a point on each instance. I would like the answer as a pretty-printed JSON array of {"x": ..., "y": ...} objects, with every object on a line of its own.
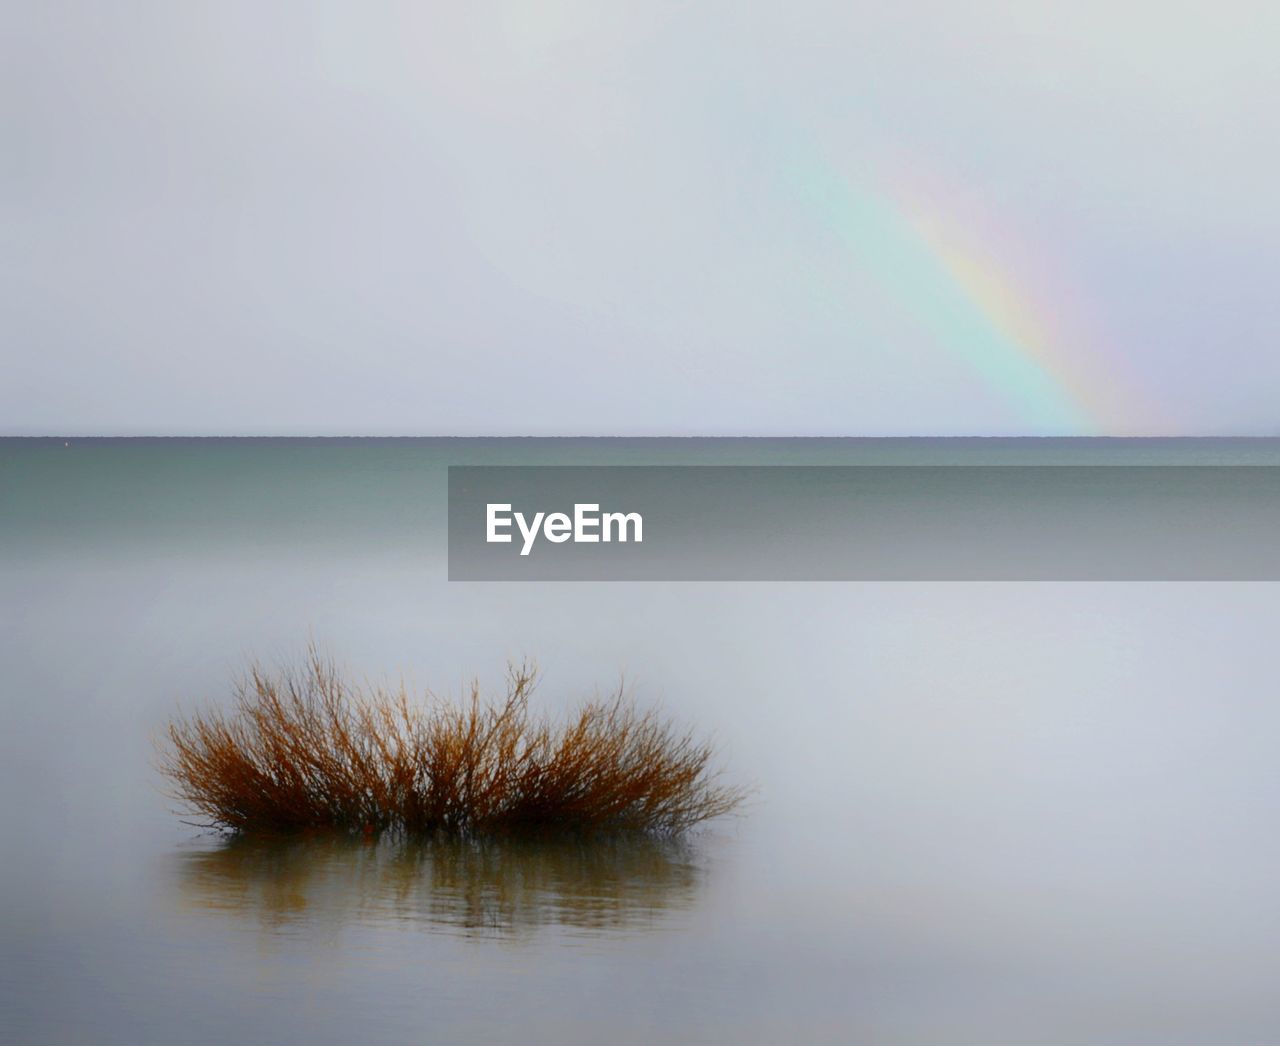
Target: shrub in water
[{"x": 306, "y": 749}]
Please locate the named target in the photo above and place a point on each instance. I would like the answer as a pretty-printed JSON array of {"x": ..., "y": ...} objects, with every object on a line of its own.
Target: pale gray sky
[{"x": 659, "y": 218}]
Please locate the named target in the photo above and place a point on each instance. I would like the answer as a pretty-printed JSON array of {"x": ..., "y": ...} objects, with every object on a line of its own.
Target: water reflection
[{"x": 477, "y": 888}]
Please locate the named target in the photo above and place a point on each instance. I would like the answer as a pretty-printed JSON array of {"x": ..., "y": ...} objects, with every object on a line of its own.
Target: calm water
[{"x": 984, "y": 813}]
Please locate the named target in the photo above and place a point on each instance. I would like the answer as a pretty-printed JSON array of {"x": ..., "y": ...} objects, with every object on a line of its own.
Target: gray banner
[{"x": 845, "y": 523}]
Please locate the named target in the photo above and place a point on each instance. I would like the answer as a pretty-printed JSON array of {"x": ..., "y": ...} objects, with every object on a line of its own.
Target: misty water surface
[{"x": 984, "y": 813}]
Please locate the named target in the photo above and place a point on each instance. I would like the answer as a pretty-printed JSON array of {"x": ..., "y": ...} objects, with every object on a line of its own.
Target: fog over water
[{"x": 984, "y": 813}]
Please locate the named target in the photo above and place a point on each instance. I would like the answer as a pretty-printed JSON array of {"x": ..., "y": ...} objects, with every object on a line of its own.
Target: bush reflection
[{"x": 477, "y": 887}]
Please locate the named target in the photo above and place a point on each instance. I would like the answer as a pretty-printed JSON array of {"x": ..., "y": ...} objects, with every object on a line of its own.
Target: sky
[{"x": 583, "y": 218}]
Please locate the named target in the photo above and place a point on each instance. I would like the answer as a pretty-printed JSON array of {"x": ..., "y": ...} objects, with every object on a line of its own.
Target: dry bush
[{"x": 305, "y": 749}]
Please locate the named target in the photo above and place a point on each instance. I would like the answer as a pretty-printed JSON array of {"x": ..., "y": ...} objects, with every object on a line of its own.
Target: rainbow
[{"x": 973, "y": 308}]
